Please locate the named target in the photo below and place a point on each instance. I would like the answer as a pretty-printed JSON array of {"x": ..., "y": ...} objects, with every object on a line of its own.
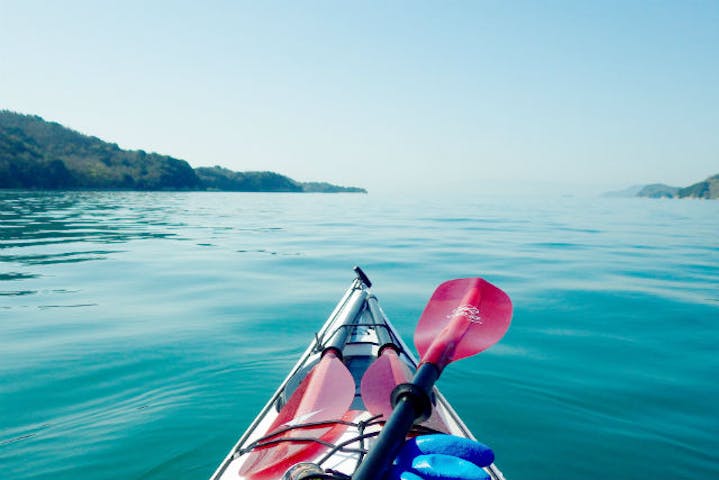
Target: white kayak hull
[{"x": 364, "y": 328}]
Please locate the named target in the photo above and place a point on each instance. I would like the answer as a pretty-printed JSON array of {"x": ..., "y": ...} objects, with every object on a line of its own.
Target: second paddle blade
[
  {"x": 463, "y": 317},
  {"x": 381, "y": 378}
]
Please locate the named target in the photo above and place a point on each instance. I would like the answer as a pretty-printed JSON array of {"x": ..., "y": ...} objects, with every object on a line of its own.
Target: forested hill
[{"x": 38, "y": 154}]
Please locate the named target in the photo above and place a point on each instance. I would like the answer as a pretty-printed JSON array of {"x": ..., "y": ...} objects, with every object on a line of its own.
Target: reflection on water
[
  {"x": 46, "y": 229},
  {"x": 43, "y": 219},
  {"x": 43, "y": 234}
]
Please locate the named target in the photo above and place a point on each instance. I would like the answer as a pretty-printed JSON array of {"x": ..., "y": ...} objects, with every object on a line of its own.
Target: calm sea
[{"x": 140, "y": 333}]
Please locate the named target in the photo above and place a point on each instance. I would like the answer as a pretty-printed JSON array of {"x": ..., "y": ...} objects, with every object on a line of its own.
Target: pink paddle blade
[
  {"x": 379, "y": 380},
  {"x": 324, "y": 395},
  {"x": 463, "y": 317}
]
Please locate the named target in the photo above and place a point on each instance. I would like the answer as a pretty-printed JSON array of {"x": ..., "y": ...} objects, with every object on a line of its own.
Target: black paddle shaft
[{"x": 411, "y": 403}]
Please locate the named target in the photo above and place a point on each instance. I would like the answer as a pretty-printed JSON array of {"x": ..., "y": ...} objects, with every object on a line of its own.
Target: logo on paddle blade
[{"x": 470, "y": 312}]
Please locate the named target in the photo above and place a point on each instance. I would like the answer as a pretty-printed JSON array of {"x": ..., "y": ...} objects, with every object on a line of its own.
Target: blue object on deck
[
  {"x": 464, "y": 448},
  {"x": 446, "y": 467},
  {"x": 441, "y": 457}
]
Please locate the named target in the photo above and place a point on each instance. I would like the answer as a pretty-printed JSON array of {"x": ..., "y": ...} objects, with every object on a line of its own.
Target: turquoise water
[{"x": 141, "y": 332}]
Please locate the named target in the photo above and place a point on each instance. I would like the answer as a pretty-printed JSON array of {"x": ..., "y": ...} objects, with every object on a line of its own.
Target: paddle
[{"x": 463, "y": 318}]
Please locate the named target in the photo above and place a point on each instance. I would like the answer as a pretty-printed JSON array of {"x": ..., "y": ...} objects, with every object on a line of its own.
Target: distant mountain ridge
[
  {"x": 708, "y": 189},
  {"x": 38, "y": 154}
]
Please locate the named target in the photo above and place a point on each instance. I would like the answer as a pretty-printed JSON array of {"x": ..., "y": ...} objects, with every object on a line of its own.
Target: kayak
[{"x": 331, "y": 408}]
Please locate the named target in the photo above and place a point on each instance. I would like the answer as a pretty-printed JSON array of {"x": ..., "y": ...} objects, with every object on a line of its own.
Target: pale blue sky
[{"x": 450, "y": 96}]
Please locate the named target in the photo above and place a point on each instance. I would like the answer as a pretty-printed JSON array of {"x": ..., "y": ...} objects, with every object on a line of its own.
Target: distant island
[
  {"x": 37, "y": 154},
  {"x": 708, "y": 188}
]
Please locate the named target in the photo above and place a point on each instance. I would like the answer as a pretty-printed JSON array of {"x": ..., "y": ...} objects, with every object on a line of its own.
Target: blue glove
[{"x": 441, "y": 457}]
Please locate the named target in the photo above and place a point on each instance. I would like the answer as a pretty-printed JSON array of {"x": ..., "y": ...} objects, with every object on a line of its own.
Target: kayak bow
[{"x": 317, "y": 419}]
